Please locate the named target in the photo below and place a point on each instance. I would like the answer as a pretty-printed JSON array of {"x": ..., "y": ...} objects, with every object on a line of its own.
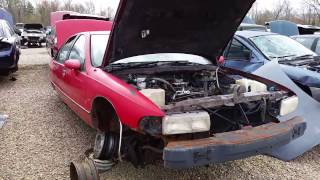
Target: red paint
[
  {"x": 66, "y": 28},
  {"x": 78, "y": 89},
  {"x": 221, "y": 60},
  {"x": 73, "y": 64}
]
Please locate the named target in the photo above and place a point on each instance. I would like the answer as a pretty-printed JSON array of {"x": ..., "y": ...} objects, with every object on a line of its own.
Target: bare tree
[
  {"x": 67, "y": 5},
  {"x": 90, "y": 7}
]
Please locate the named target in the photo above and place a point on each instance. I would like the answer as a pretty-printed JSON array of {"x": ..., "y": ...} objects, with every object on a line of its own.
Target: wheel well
[
  {"x": 306, "y": 89},
  {"x": 104, "y": 116}
]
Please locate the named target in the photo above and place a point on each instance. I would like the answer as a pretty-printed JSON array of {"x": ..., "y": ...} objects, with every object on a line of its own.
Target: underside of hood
[
  {"x": 33, "y": 26},
  {"x": 174, "y": 26}
]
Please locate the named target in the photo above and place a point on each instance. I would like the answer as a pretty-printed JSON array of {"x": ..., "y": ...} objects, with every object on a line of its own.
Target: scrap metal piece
[
  {"x": 308, "y": 108},
  {"x": 3, "y": 119}
]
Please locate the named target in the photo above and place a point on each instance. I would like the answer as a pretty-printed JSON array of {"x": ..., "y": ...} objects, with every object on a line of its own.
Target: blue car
[
  {"x": 9, "y": 49},
  {"x": 250, "y": 50}
]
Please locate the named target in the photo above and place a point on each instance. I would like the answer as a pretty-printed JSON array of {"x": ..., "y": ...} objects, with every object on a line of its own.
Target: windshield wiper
[
  {"x": 282, "y": 57},
  {"x": 306, "y": 56}
]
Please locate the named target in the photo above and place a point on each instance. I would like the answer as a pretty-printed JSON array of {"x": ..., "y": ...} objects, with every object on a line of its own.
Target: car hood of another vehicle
[{"x": 173, "y": 26}]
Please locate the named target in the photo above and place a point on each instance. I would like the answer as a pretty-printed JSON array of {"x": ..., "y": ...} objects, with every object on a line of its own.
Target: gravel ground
[{"x": 42, "y": 136}]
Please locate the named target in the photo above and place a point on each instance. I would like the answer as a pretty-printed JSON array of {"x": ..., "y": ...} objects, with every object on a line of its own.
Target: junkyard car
[
  {"x": 250, "y": 50},
  {"x": 153, "y": 90},
  {"x": 9, "y": 49},
  {"x": 33, "y": 34}
]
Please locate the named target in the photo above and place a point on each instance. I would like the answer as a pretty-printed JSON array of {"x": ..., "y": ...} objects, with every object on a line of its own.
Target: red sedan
[{"x": 155, "y": 92}]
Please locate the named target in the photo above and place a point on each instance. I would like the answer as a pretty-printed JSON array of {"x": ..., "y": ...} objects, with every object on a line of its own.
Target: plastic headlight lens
[
  {"x": 289, "y": 105},
  {"x": 186, "y": 123}
]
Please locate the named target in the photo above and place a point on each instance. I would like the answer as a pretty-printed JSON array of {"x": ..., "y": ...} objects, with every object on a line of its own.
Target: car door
[
  {"x": 57, "y": 68},
  {"x": 74, "y": 81},
  {"x": 239, "y": 56}
]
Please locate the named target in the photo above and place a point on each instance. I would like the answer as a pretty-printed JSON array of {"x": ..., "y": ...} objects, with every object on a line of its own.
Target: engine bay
[{"x": 230, "y": 101}]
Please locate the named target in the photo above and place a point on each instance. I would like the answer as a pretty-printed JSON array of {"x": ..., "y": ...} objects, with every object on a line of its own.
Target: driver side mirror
[{"x": 73, "y": 64}]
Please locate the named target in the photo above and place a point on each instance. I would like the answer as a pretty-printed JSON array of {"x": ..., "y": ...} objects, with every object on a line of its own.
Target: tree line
[
  {"x": 39, "y": 12},
  {"x": 25, "y": 11},
  {"x": 308, "y": 13}
]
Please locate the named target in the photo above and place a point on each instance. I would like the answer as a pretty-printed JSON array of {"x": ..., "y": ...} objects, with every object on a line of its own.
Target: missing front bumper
[{"x": 232, "y": 145}]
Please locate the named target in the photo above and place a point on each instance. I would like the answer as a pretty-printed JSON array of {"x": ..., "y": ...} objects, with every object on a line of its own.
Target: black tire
[{"x": 106, "y": 146}]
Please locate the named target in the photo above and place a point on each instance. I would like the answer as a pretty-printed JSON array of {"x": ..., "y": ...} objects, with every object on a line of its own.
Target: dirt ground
[{"x": 42, "y": 136}]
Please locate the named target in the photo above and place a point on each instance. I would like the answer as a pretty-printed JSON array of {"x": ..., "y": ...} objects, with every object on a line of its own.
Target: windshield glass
[
  {"x": 278, "y": 46},
  {"x": 98, "y": 47},
  {"x": 165, "y": 57}
]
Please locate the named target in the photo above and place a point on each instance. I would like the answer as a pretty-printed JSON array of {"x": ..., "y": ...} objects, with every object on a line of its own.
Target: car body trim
[{"x": 64, "y": 94}]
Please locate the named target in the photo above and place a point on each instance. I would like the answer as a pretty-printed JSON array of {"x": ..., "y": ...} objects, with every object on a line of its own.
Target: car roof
[
  {"x": 96, "y": 33},
  {"x": 250, "y": 34},
  {"x": 307, "y": 36}
]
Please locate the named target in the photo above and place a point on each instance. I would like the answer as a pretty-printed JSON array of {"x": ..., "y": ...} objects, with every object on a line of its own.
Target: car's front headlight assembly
[
  {"x": 289, "y": 105},
  {"x": 186, "y": 123}
]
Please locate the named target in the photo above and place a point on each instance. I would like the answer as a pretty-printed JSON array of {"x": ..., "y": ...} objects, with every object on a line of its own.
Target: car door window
[
  {"x": 318, "y": 48},
  {"x": 64, "y": 51},
  {"x": 78, "y": 51},
  {"x": 237, "y": 51},
  {"x": 307, "y": 42},
  {"x": 98, "y": 48}
]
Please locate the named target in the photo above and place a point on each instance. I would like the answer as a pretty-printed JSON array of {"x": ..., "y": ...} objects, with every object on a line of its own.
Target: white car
[{"x": 33, "y": 34}]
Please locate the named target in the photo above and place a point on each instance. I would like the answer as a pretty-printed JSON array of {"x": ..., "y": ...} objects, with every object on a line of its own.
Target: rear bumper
[{"x": 232, "y": 145}]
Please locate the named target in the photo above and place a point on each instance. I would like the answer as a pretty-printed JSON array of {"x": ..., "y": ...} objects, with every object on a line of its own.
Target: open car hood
[
  {"x": 33, "y": 26},
  {"x": 174, "y": 26}
]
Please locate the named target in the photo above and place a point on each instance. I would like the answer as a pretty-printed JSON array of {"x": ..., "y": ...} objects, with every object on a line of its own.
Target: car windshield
[
  {"x": 165, "y": 57},
  {"x": 280, "y": 47}
]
